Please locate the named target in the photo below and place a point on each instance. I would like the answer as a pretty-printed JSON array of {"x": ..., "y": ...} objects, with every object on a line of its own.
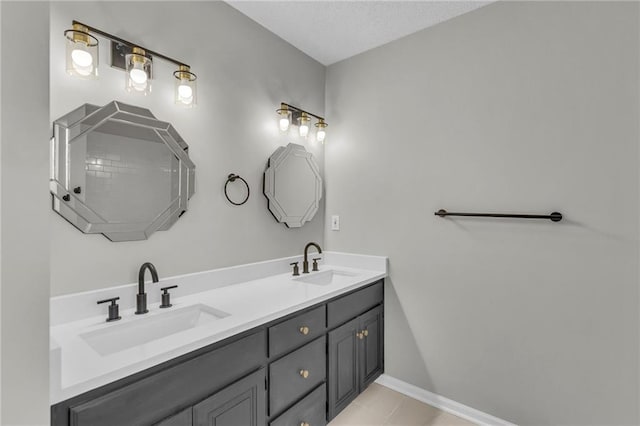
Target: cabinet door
[
  {"x": 183, "y": 418},
  {"x": 240, "y": 404},
  {"x": 371, "y": 352},
  {"x": 343, "y": 367}
]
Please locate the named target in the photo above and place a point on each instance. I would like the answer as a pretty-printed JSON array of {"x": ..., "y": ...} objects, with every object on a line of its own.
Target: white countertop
[{"x": 76, "y": 367}]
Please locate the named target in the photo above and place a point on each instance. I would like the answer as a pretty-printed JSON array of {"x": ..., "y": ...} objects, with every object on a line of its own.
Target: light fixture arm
[
  {"x": 117, "y": 39},
  {"x": 299, "y": 110}
]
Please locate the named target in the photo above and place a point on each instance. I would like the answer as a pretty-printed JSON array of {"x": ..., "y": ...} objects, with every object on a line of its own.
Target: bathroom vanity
[{"x": 284, "y": 351}]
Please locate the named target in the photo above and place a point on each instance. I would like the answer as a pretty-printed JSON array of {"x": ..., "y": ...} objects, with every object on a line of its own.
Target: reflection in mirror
[
  {"x": 118, "y": 171},
  {"x": 293, "y": 185}
]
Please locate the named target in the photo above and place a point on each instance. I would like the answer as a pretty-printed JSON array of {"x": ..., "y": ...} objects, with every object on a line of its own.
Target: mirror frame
[
  {"x": 275, "y": 207},
  {"x": 83, "y": 120}
]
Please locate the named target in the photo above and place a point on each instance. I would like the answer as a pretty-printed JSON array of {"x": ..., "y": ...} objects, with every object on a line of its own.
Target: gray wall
[
  {"x": 244, "y": 72},
  {"x": 25, "y": 205},
  {"x": 515, "y": 107}
]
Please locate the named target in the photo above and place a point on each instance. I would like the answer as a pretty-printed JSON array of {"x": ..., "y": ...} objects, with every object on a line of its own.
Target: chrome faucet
[
  {"x": 141, "y": 297},
  {"x": 305, "y": 264}
]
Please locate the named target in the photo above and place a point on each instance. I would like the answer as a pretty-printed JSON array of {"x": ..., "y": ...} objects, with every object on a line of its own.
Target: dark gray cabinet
[
  {"x": 157, "y": 395},
  {"x": 351, "y": 305},
  {"x": 355, "y": 358},
  {"x": 371, "y": 347},
  {"x": 310, "y": 410},
  {"x": 302, "y": 368},
  {"x": 296, "y": 374},
  {"x": 240, "y": 404},
  {"x": 343, "y": 366},
  {"x": 296, "y": 331},
  {"x": 183, "y": 418}
]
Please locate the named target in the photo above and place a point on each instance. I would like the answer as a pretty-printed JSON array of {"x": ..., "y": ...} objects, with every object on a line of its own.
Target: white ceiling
[{"x": 330, "y": 31}]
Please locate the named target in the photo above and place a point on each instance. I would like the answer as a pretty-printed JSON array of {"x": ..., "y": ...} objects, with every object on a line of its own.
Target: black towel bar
[{"x": 554, "y": 216}]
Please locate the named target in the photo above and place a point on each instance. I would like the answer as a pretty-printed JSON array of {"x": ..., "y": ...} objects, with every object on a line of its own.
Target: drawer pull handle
[
  {"x": 304, "y": 373},
  {"x": 304, "y": 424},
  {"x": 360, "y": 336},
  {"x": 304, "y": 330}
]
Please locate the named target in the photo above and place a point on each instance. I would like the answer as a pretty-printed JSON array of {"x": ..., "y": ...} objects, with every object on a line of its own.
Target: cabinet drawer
[
  {"x": 155, "y": 397},
  {"x": 290, "y": 334},
  {"x": 341, "y": 310},
  {"x": 311, "y": 410},
  {"x": 287, "y": 383}
]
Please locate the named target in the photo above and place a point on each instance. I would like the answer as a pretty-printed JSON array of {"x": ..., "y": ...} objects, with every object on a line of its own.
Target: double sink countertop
[{"x": 87, "y": 352}]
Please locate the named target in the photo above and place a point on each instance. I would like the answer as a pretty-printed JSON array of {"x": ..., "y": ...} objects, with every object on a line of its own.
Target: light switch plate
[{"x": 335, "y": 223}]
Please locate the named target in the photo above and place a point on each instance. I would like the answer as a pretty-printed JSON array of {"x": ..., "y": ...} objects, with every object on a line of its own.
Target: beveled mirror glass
[
  {"x": 293, "y": 185},
  {"x": 118, "y": 171}
]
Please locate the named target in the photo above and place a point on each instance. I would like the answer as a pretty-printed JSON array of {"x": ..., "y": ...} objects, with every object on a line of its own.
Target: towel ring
[{"x": 232, "y": 178}]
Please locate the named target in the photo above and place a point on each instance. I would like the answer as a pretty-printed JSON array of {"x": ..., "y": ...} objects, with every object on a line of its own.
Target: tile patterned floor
[{"x": 381, "y": 406}]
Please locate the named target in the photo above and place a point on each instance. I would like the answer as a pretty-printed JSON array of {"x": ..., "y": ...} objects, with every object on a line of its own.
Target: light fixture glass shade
[
  {"x": 138, "y": 75},
  {"x": 185, "y": 89},
  {"x": 81, "y": 53},
  {"x": 303, "y": 123},
  {"x": 284, "y": 118},
  {"x": 321, "y": 133},
  {"x": 284, "y": 123}
]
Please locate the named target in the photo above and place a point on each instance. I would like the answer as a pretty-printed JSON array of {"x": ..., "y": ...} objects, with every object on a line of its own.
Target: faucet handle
[
  {"x": 296, "y": 270},
  {"x": 114, "y": 314},
  {"x": 165, "y": 289},
  {"x": 315, "y": 263},
  {"x": 166, "y": 297}
]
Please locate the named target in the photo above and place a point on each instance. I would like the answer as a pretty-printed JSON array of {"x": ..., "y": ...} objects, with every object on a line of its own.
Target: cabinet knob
[
  {"x": 304, "y": 330},
  {"x": 304, "y": 424},
  {"x": 304, "y": 373},
  {"x": 360, "y": 336}
]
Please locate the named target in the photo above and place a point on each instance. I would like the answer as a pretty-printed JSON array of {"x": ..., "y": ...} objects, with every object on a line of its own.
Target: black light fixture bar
[
  {"x": 300, "y": 110},
  {"x": 128, "y": 43},
  {"x": 554, "y": 216}
]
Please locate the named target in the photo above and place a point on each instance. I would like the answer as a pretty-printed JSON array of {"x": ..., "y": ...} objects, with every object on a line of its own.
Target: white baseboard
[{"x": 442, "y": 403}]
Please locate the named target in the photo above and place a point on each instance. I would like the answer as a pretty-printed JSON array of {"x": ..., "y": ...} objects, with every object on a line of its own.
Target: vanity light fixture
[
  {"x": 135, "y": 60},
  {"x": 82, "y": 52},
  {"x": 285, "y": 117},
  {"x": 303, "y": 125},
  {"x": 138, "y": 67},
  {"x": 185, "y": 91},
  {"x": 321, "y": 133},
  {"x": 290, "y": 114}
]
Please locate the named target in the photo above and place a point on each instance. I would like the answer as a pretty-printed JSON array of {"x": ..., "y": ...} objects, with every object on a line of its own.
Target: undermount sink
[
  {"x": 116, "y": 338},
  {"x": 331, "y": 276}
]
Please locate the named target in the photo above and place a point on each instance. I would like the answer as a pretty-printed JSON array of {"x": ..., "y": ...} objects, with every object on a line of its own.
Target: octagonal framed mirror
[
  {"x": 116, "y": 170},
  {"x": 292, "y": 185}
]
